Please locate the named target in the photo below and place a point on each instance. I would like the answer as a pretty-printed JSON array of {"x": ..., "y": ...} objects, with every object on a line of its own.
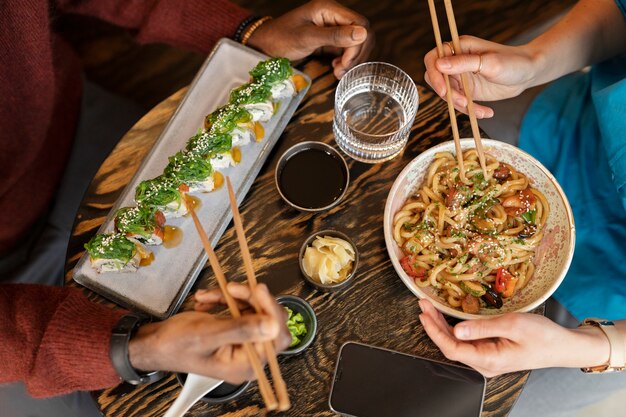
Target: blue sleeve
[{"x": 621, "y": 4}]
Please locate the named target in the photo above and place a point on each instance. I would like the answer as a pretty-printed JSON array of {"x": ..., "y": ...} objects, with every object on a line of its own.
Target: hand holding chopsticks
[
  {"x": 456, "y": 44},
  {"x": 264, "y": 387}
]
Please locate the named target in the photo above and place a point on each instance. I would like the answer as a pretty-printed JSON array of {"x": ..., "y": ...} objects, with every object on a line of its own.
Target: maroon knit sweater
[{"x": 54, "y": 339}]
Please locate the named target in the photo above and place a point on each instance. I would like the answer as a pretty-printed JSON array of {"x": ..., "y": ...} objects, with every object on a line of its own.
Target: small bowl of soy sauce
[{"x": 312, "y": 176}]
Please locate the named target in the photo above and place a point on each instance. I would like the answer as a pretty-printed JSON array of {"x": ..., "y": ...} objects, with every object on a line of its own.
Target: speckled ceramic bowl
[{"x": 554, "y": 255}]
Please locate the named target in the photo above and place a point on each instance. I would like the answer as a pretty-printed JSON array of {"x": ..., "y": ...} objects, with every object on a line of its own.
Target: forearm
[
  {"x": 594, "y": 30},
  {"x": 194, "y": 25},
  {"x": 55, "y": 340}
]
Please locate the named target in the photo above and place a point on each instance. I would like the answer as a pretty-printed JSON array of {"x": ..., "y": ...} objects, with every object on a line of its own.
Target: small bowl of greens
[{"x": 301, "y": 322}]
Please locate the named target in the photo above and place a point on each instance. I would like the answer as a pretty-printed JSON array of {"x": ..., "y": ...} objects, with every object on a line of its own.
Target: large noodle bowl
[{"x": 471, "y": 236}]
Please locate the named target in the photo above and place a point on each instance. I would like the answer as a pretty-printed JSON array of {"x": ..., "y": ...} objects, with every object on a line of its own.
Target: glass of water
[{"x": 375, "y": 106}]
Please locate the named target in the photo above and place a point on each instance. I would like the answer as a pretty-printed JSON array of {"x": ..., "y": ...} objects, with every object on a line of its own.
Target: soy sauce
[{"x": 312, "y": 178}]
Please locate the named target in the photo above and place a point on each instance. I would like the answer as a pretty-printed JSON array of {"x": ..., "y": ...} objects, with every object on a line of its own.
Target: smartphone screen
[{"x": 375, "y": 382}]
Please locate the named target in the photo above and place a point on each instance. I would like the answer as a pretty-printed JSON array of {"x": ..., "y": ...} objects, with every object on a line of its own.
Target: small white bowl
[{"x": 556, "y": 248}]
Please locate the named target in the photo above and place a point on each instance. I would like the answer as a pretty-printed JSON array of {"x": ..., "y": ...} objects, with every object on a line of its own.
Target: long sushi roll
[
  {"x": 142, "y": 223},
  {"x": 256, "y": 98},
  {"x": 234, "y": 121},
  {"x": 114, "y": 252},
  {"x": 164, "y": 193},
  {"x": 277, "y": 74},
  {"x": 194, "y": 171}
]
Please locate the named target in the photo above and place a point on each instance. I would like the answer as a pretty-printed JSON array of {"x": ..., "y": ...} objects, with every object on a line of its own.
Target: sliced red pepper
[
  {"x": 505, "y": 283},
  {"x": 159, "y": 217},
  {"x": 413, "y": 271}
]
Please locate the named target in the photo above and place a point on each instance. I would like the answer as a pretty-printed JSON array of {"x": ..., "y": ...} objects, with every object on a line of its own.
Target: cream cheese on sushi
[
  {"x": 218, "y": 149},
  {"x": 114, "y": 252},
  {"x": 226, "y": 159},
  {"x": 256, "y": 98},
  {"x": 283, "y": 89},
  {"x": 233, "y": 120},
  {"x": 242, "y": 136},
  {"x": 142, "y": 223},
  {"x": 163, "y": 193},
  {"x": 277, "y": 74},
  {"x": 193, "y": 171}
]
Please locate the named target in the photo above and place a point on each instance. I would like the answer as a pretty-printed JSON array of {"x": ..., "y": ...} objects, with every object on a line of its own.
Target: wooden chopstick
[
  {"x": 279, "y": 383},
  {"x": 464, "y": 81},
  {"x": 451, "y": 111},
  {"x": 264, "y": 386}
]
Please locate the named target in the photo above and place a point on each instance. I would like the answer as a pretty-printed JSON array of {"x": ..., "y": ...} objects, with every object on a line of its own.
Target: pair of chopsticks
[
  {"x": 464, "y": 82},
  {"x": 264, "y": 386}
]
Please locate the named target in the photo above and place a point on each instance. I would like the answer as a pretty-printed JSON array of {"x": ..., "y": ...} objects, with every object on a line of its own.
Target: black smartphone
[{"x": 376, "y": 382}]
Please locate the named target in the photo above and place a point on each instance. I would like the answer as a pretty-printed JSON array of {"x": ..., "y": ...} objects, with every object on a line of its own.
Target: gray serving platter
[{"x": 160, "y": 288}]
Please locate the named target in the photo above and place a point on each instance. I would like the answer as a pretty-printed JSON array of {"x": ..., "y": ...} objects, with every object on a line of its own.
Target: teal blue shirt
[{"x": 577, "y": 128}]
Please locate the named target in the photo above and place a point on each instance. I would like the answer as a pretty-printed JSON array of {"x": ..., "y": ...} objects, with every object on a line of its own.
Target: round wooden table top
[{"x": 377, "y": 309}]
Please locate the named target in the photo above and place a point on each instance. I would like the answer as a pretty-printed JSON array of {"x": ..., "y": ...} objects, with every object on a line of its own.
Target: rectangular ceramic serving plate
[{"x": 160, "y": 288}]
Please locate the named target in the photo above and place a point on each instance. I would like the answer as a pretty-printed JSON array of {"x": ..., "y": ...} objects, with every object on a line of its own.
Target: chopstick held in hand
[
  {"x": 270, "y": 352},
  {"x": 446, "y": 77},
  {"x": 264, "y": 386},
  {"x": 464, "y": 81}
]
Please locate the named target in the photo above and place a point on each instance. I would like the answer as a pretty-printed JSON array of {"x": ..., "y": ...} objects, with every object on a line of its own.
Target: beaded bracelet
[
  {"x": 252, "y": 28},
  {"x": 243, "y": 26}
]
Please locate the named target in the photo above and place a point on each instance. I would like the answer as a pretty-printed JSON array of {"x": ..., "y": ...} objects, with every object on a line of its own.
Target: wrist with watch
[
  {"x": 118, "y": 352},
  {"x": 617, "y": 357}
]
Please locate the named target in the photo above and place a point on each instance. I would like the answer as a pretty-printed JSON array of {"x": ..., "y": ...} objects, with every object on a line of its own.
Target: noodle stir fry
[{"x": 473, "y": 238}]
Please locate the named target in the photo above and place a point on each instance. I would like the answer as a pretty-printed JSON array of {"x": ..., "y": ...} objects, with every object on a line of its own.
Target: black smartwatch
[{"x": 122, "y": 332}]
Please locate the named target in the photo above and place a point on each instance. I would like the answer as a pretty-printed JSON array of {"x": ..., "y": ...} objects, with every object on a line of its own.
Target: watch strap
[
  {"x": 617, "y": 357},
  {"x": 118, "y": 352}
]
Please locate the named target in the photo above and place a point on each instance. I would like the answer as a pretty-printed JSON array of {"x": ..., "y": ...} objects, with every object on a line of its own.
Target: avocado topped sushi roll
[
  {"x": 114, "y": 252},
  {"x": 194, "y": 171},
  {"x": 231, "y": 120},
  {"x": 164, "y": 193},
  {"x": 256, "y": 98},
  {"x": 143, "y": 223},
  {"x": 277, "y": 74}
]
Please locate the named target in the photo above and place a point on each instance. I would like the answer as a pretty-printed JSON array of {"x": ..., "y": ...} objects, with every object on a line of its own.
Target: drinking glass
[{"x": 375, "y": 106}]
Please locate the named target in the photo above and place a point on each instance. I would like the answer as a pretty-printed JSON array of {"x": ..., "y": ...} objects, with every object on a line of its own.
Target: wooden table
[{"x": 376, "y": 309}]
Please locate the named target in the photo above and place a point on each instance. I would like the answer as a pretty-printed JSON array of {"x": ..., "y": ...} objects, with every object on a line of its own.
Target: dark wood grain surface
[
  {"x": 377, "y": 308},
  {"x": 148, "y": 74}
]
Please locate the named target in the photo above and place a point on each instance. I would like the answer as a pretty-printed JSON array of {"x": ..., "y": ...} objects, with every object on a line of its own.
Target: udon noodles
[{"x": 471, "y": 238}]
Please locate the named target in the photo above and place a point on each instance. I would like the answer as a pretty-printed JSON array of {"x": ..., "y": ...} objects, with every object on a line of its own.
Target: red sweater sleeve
[
  {"x": 190, "y": 24},
  {"x": 55, "y": 340}
]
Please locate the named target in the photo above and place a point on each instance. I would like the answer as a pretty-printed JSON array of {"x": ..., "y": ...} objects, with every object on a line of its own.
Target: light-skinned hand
[
  {"x": 319, "y": 26},
  {"x": 506, "y": 71},
  {"x": 202, "y": 343},
  {"x": 514, "y": 342}
]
